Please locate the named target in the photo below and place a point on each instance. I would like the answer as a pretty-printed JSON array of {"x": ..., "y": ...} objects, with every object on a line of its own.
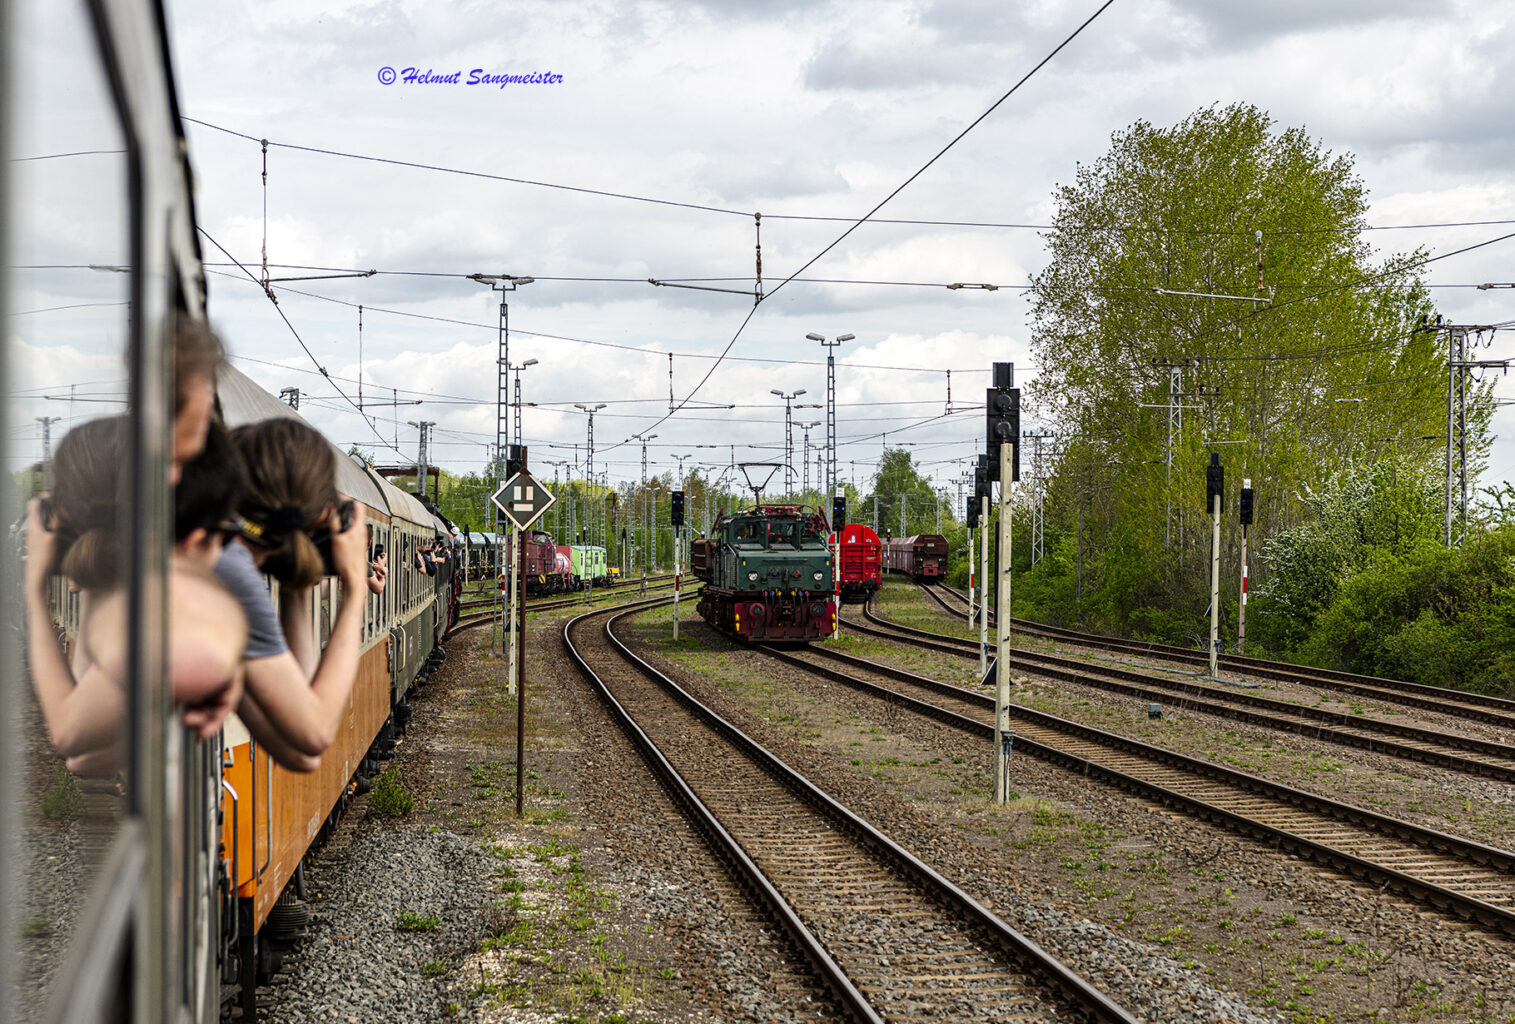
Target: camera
[{"x": 322, "y": 537}]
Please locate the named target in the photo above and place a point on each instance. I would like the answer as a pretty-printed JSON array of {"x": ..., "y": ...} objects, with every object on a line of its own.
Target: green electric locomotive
[{"x": 767, "y": 574}]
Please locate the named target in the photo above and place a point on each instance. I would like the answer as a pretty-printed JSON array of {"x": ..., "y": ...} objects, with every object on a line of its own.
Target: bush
[
  {"x": 1432, "y": 615},
  {"x": 389, "y": 798}
]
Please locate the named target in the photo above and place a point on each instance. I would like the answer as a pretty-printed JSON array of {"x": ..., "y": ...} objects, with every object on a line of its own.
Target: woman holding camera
[{"x": 296, "y": 528}]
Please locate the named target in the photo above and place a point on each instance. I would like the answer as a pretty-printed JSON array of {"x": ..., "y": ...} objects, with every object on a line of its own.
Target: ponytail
[{"x": 291, "y": 481}]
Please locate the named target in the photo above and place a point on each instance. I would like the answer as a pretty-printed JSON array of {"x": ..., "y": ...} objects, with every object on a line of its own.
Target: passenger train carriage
[
  {"x": 135, "y": 894},
  {"x": 277, "y": 814}
]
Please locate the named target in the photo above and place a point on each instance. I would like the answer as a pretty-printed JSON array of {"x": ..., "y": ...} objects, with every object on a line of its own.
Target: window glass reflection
[{"x": 66, "y": 336}]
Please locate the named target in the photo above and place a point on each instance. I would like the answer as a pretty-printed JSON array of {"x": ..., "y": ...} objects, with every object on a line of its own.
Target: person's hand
[
  {"x": 41, "y": 545},
  {"x": 206, "y": 718},
  {"x": 349, "y": 549},
  {"x": 379, "y": 574}
]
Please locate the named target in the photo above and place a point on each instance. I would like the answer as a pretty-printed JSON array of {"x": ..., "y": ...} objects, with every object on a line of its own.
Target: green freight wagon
[{"x": 589, "y": 566}]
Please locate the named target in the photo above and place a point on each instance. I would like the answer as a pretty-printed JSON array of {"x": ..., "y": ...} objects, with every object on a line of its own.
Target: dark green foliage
[{"x": 1427, "y": 614}]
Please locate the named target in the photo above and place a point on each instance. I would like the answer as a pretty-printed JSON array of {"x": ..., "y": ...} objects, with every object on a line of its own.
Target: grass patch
[
  {"x": 61, "y": 801},
  {"x": 410, "y": 921}
]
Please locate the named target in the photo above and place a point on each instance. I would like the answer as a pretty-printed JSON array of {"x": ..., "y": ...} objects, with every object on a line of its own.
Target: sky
[{"x": 654, "y": 135}]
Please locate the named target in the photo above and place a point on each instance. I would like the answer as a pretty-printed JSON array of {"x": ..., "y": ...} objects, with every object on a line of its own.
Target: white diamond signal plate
[{"x": 522, "y": 500}]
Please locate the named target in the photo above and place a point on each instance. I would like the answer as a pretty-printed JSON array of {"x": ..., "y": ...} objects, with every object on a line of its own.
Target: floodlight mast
[
  {"x": 831, "y": 402},
  {"x": 750, "y": 470}
]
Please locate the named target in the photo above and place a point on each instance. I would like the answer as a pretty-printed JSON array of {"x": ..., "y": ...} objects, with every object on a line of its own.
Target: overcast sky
[{"x": 816, "y": 110}]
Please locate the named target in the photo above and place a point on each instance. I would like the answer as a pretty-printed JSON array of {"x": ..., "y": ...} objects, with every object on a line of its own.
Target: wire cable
[
  {"x": 660, "y": 354},
  {"x": 880, "y": 205},
  {"x": 308, "y": 352},
  {"x": 747, "y": 214}
]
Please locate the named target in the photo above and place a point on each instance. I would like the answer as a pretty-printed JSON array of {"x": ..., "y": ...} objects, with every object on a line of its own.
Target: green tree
[
  {"x": 1335, "y": 363},
  {"x": 897, "y": 477}
]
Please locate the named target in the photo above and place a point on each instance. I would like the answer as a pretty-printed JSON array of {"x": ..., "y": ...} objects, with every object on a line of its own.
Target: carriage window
[
  {"x": 68, "y": 436},
  {"x": 326, "y": 609}
]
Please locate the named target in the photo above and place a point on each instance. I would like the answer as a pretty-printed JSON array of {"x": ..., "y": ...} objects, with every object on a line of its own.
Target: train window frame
[
  {"x": 129, "y": 923},
  {"x": 370, "y": 599},
  {"x": 325, "y": 608}
]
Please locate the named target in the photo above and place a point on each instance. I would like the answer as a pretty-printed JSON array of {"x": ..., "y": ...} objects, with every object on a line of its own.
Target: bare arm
[
  {"x": 271, "y": 739},
  {"x": 380, "y": 574},
  {"x": 83, "y": 713},
  {"x": 308, "y": 714}
]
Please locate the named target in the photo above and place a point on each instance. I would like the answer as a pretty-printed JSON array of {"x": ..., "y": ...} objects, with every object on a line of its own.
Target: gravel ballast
[{"x": 1175, "y": 920}]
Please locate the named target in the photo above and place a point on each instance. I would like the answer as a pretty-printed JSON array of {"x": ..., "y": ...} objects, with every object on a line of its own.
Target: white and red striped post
[{"x": 1241, "y": 611}]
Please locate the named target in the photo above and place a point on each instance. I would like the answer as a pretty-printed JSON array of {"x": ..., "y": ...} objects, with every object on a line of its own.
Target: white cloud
[{"x": 787, "y": 109}]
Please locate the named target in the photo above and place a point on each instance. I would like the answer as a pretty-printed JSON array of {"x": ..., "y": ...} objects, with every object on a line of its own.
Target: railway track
[
  {"x": 536, "y": 604},
  {"x": 1476, "y": 707},
  {"x": 483, "y": 618},
  {"x": 890, "y": 938},
  {"x": 1453, "y": 875},
  {"x": 1465, "y": 754}
]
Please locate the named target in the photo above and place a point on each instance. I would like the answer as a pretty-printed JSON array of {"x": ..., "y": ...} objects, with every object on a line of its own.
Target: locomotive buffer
[{"x": 521, "y": 500}]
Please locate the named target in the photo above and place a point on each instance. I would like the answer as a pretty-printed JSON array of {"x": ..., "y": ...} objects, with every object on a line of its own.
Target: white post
[
  {"x": 1002, "y": 627},
  {"x": 972, "y": 558},
  {"x": 678, "y": 569},
  {"x": 983, "y": 587},
  {"x": 1214, "y": 585},
  {"x": 1241, "y": 608}
]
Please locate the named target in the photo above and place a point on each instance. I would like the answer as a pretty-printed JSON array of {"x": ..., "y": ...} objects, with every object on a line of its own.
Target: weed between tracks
[
  {"x": 904, "y": 604},
  {"x": 554, "y": 941},
  {"x": 1309, "y": 967},
  {"x": 546, "y": 944}
]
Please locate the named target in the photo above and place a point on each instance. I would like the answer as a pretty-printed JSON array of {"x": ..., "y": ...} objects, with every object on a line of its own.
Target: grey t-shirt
[{"x": 237, "y": 570}]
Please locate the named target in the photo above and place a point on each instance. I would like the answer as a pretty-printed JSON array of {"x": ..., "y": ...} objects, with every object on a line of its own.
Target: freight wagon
[
  {"x": 859, "y": 567},
  {"x": 922, "y": 557}
]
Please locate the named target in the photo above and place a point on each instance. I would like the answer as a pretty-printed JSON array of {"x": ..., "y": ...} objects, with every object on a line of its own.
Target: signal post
[
  {"x": 522, "y": 500},
  {"x": 981, "y": 497},
  {"x": 972, "y": 553},
  {"x": 1245, "y": 509},
  {"x": 676, "y": 516},
  {"x": 1215, "y": 486},
  {"x": 838, "y": 523},
  {"x": 1003, "y": 408}
]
